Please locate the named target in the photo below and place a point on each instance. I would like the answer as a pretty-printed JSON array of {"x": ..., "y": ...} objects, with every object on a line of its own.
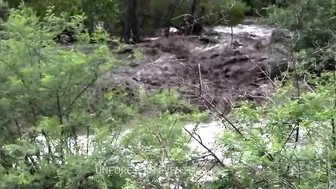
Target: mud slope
[{"x": 211, "y": 71}]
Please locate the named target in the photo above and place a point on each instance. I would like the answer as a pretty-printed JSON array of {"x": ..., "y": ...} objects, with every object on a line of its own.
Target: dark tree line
[
  {"x": 131, "y": 33},
  {"x": 132, "y": 19}
]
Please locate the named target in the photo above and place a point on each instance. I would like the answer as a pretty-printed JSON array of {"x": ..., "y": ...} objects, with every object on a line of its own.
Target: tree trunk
[
  {"x": 132, "y": 22},
  {"x": 192, "y": 26},
  {"x": 193, "y": 7},
  {"x": 169, "y": 16}
]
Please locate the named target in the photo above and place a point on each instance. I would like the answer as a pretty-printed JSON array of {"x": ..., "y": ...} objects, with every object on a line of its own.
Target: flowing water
[
  {"x": 256, "y": 30},
  {"x": 207, "y": 132}
]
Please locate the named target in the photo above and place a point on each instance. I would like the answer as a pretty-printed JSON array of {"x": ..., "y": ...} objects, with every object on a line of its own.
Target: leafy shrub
[
  {"x": 45, "y": 93},
  {"x": 287, "y": 144},
  {"x": 225, "y": 12},
  {"x": 312, "y": 24}
]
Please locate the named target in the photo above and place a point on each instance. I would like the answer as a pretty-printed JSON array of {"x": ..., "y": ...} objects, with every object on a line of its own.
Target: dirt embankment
[{"x": 211, "y": 71}]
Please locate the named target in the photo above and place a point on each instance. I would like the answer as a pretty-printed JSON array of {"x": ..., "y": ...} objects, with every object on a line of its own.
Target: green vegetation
[
  {"x": 45, "y": 89},
  {"x": 153, "y": 13},
  {"x": 312, "y": 24}
]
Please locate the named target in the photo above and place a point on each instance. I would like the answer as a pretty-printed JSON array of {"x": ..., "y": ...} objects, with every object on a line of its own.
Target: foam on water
[
  {"x": 208, "y": 133},
  {"x": 257, "y": 30}
]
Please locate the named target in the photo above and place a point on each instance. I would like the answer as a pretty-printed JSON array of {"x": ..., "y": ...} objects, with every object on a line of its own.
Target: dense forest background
[
  {"x": 151, "y": 15},
  {"x": 46, "y": 99}
]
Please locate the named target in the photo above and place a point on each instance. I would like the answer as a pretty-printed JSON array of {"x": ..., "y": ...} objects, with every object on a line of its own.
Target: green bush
[
  {"x": 45, "y": 94},
  {"x": 313, "y": 19},
  {"x": 312, "y": 23},
  {"x": 225, "y": 12},
  {"x": 289, "y": 143}
]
